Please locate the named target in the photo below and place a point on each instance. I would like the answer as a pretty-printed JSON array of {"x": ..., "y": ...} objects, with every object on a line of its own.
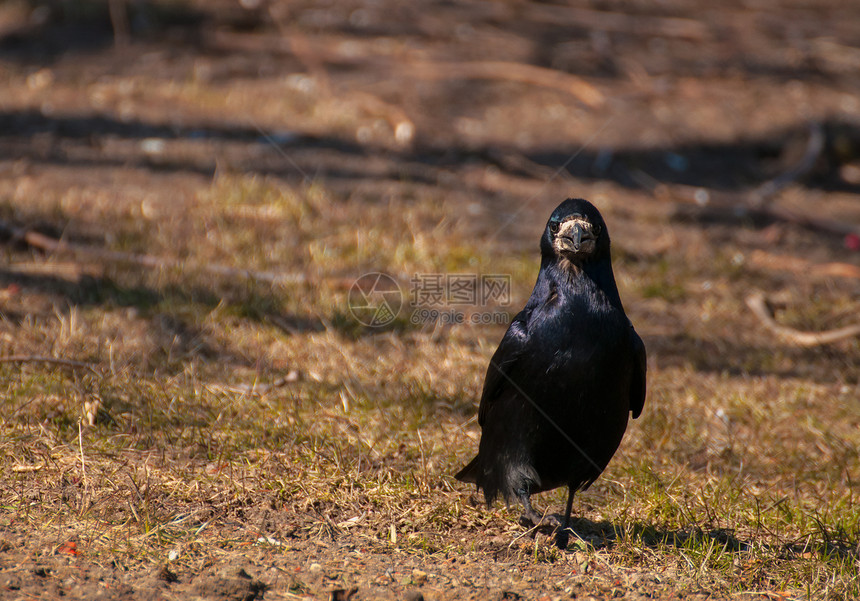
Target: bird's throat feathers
[
  {"x": 563, "y": 269},
  {"x": 568, "y": 268},
  {"x": 578, "y": 277}
]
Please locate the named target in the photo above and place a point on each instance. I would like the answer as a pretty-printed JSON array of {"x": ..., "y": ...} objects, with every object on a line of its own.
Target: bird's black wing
[
  {"x": 640, "y": 365},
  {"x": 504, "y": 361}
]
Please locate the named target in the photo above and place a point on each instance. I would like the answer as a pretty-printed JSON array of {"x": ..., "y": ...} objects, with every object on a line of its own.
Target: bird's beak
[{"x": 576, "y": 236}]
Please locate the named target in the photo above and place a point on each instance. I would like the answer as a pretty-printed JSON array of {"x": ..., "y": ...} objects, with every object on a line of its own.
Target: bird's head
[{"x": 575, "y": 233}]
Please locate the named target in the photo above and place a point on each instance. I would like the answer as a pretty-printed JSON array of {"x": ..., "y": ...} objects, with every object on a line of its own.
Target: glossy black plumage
[{"x": 566, "y": 374}]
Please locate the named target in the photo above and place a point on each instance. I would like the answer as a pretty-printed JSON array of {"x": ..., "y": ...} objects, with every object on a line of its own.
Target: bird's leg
[
  {"x": 563, "y": 533},
  {"x": 530, "y": 517}
]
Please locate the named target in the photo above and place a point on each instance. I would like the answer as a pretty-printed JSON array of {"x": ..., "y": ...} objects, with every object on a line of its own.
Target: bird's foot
[{"x": 543, "y": 523}]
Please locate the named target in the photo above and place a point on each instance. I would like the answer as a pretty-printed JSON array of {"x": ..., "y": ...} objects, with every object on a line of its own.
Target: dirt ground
[{"x": 720, "y": 140}]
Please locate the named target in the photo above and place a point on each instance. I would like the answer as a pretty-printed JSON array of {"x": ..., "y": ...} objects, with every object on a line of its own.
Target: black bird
[{"x": 565, "y": 376}]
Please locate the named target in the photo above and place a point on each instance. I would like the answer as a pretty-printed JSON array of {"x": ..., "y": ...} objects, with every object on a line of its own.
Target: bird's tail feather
[
  {"x": 470, "y": 472},
  {"x": 474, "y": 473}
]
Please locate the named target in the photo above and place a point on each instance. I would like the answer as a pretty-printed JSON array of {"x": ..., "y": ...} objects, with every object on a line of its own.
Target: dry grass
[{"x": 730, "y": 482}]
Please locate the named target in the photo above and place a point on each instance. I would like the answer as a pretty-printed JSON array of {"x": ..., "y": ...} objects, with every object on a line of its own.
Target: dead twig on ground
[
  {"x": 643, "y": 25},
  {"x": 261, "y": 389},
  {"x": 768, "y": 190},
  {"x": 758, "y": 305},
  {"x": 510, "y": 71},
  {"x": 53, "y": 360},
  {"x": 79, "y": 251},
  {"x": 755, "y": 204},
  {"x": 315, "y": 53},
  {"x": 84, "y": 478},
  {"x": 313, "y": 57}
]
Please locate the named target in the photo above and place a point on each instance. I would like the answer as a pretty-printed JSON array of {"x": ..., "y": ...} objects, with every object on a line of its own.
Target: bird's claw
[
  {"x": 545, "y": 523},
  {"x": 548, "y": 524}
]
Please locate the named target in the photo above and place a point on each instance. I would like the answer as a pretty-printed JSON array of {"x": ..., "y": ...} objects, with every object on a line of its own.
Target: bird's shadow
[{"x": 585, "y": 534}]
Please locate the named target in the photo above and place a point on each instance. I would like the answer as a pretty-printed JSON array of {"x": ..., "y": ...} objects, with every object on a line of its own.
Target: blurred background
[{"x": 713, "y": 136}]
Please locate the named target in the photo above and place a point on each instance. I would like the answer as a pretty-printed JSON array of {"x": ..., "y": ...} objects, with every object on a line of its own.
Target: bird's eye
[
  {"x": 553, "y": 227},
  {"x": 596, "y": 229}
]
